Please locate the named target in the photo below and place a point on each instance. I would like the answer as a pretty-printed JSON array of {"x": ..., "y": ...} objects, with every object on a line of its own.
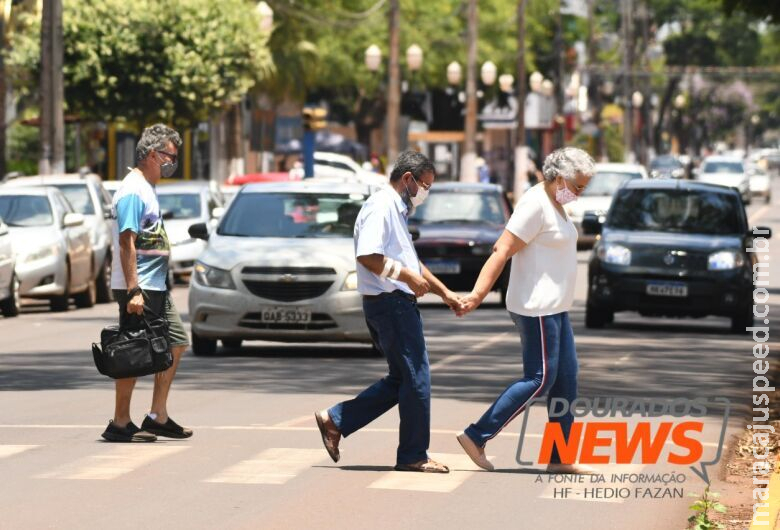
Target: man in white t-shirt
[{"x": 542, "y": 243}]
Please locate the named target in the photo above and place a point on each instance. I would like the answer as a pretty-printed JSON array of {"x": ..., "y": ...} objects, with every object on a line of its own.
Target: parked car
[
  {"x": 668, "y": 167},
  {"x": 760, "y": 183},
  {"x": 88, "y": 197},
  {"x": 111, "y": 186},
  {"x": 459, "y": 224},
  {"x": 182, "y": 205},
  {"x": 597, "y": 197},
  {"x": 54, "y": 256},
  {"x": 671, "y": 248},
  {"x": 281, "y": 266},
  {"x": 334, "y": 166},
  {"x": 9, "y": 282},
  {"x": 726, "y": 171}
]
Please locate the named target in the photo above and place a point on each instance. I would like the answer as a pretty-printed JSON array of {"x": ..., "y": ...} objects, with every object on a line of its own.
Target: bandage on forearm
[
  {"x": 396, "y": 270},
  {"x": 388, "y": 268}
]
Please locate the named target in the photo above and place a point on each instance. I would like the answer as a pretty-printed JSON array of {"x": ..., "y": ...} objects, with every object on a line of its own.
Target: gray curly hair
[
  {"x": 156, "y": 138},
  {"x": 568, "y": 162}
]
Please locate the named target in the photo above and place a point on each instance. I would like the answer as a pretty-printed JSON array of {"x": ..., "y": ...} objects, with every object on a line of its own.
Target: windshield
[
  {"x": 685, "y": 211},
  {"x": 460, "y": 206},
  {"x": 78, "y": 197},
  {"x": 605, "y": 183},
  {"x": 722, "y": 167},
  {"x": 292, "y": 215},
  {"x": 181, "y": 205},
  {"x": 25, "y": 210},
  {"x": 665, "y": 162}
]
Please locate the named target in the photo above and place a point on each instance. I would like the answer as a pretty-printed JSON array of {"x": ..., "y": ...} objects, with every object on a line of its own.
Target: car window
[
  {"x": 460, "y": 206},
  {"x": 181, "y": 205},
  {"x": 78, "y": 196},
  {"x": 292, "y": 215},
  {"x": 606, "y": 183},
  {"x": 26, "y": 210},
  {"x": 685, "y": 211},
  {"x": 722, "y": 167},
  {"x": 665, "y": 162}
]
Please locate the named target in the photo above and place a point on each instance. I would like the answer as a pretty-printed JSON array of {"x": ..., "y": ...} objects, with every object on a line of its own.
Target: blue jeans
[
  {"x": 396, "y": 328},
  {"x": 549, "y": 365}
]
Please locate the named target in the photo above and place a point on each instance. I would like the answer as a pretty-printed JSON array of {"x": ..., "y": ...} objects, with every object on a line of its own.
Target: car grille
[
  {"x": 288, "y": 270},
  {"x": 319, "y": 321},
  {"x": 287, "y": 292}
]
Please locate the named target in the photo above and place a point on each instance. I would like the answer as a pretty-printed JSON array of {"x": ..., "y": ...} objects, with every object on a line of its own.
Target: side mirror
[
  {"x": 72, "y": 219},
  {"x": 592, "y": 223},
  {"x": 199, "y": 231},
  {"x": 217, "y": 212},
  {"x": 760, "y": 231},
  {"x": 415, "y": 232}
]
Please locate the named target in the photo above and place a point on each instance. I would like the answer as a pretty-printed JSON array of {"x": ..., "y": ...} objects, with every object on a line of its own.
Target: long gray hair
[{"x": 568, "y": 162}]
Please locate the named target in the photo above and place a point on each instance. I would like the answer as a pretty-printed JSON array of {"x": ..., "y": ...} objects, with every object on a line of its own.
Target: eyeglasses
[
  {"x": 172, "y": 156},
  {"x": 422, "y": 184}
]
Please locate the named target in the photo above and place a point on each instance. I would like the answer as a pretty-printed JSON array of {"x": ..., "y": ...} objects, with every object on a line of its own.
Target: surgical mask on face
[
  {"x": 167, "y": 169},
  {"x": 416, "y": 200},
  {"x": 564, "y": 195}
]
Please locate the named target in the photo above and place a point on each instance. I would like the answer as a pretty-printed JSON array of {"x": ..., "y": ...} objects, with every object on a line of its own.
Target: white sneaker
[
  {"x": 571, "y": 469},
  {"x": 477, "y": 454}
]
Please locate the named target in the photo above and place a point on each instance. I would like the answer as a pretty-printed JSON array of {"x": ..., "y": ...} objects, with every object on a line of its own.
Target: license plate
[
  {"x": 443, "y": 267},
  {"x": 679, "y": 290},
  {"x": 285, "y": 315}
]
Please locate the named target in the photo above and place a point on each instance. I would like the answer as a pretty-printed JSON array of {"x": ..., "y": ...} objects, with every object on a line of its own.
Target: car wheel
[
  {"x": 11, "y": 306},
  {"x": 87, "y": 298},
  {"x": 202, "y": 346},
  {"x": 742, "y": 320},
  {"x": 62, "y": 302},
  {"x": 232, "y": 344},
  {"x": 597, "y": 318},
  {"x": 104, "y": 292}
]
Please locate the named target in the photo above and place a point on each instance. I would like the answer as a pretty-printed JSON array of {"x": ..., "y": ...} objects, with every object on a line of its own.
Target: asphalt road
[{"x": 256, "y": 460}]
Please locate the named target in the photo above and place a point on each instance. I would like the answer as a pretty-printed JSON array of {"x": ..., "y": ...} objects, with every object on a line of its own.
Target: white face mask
[
  {"x": 564, "y": 195},
  {"x": 418, "y": 199}
]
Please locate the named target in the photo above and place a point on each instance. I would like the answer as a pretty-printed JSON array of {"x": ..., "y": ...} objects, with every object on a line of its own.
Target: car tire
[
  {"x": 232, "y": 344},
  {"x": 88, "y": 298},
  {"x": 104, "y": 292},
  {"x": 11, "y": 306},
  {"x": 597, "y": 318},
  {"x": 203, "y": 347},
  {"x": 742, "y": 320},
  {"x": 61, "y": 303}
]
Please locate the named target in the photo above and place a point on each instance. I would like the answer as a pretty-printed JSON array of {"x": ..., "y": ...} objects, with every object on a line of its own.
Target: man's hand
[
  {"x": 136, "y": 305},
  {"x": 418, "y": 284},
  {"x": 469, "y": 303},
  {"x": 452, "y": 300}
]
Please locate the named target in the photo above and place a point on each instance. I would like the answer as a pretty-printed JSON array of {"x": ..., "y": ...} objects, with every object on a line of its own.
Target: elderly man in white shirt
[{"x": 390, "y": 278}]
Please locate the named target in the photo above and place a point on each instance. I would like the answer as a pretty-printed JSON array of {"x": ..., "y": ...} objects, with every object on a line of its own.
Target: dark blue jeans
[
  {"x": 396, "y": 328},
  {"x": 549, "y": 365}
]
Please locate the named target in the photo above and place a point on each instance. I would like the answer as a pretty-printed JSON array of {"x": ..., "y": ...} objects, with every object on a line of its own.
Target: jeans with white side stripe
[{"x": 549, "y": 365}]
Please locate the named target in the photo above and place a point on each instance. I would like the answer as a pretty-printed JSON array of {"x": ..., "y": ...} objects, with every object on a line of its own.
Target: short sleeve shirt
[
  {"x": 543, "y": 274},
  {"x": 381, "y": 228},
  {"x": 135, "y": 208}
]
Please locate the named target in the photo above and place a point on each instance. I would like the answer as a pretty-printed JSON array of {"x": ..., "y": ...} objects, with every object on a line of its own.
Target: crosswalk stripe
[
  {"x": 113, "y": 462},
  {"x": 272, "y": 466},
  {"x": 10, "y": 450},
  {"x": 461, "y": 468},
  {"x": 588, "y": 491}
]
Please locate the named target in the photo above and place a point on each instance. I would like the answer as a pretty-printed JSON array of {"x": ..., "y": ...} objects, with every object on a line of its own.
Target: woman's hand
[
  {"x": 469, "y": 303},
  {"x": 452, "y": 300}
]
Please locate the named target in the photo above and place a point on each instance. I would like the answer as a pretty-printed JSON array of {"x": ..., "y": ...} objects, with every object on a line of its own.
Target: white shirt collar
[{"x": 403, "y": 209}]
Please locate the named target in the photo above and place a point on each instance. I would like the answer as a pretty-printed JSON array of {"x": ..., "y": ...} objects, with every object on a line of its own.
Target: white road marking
[
  {"x": 10, "y": 450},
  {"x": 588, "y": 491},
  {"x": 479, "y": 347},
  {"x": 113, "y": 461},
  {"x": 272, "y": 466},
  {"x": 461, "y": 468},
  {"x": 296, "y": 422}
]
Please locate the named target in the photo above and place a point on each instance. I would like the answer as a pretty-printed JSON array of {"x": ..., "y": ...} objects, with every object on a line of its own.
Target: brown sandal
[{"x": 424, "y": 466}]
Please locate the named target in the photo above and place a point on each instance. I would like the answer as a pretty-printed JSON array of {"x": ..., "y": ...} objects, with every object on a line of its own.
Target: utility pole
[
  {"x": 394, "y": 84},
  {"x": 4, "y": 15},
  {"x": 468, "y": 169},
  {"x": 521, "y": 151},
  {"x": 52, "y": 121},
  {"x": 626, "y": 9},
  {"x": 559, "y": 85}
]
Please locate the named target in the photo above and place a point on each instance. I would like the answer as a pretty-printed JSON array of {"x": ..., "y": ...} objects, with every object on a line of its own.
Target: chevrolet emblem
[{"x": 288, "y": 278}]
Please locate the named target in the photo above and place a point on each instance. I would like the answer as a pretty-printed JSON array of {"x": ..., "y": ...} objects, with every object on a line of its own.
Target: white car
[
  {"x": 760, "y": 183},
  {"x": 333, "y": 166},
  {"x": 54, "y": 256},
  {"x": 726, "y": 171},
  {"x": 9, "y": 283},
  {"x": 182, "y": 205},
  {"x": 597, "y": 197},
  {"x": 281, "y": 267},
  {"x": 86, "y": 194}
]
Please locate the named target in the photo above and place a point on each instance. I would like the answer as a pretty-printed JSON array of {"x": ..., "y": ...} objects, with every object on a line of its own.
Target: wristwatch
[{"x": 134, "y": 291}]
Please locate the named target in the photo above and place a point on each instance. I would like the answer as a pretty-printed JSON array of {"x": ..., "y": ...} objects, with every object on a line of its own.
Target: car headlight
[
  {"x": 212, "y": 277},
  {"x": 351, "y": 282},
  {"x": 615, "y": 254},
  {"x": 40, "y": 254},
  {"x": 725, "y": 260}
]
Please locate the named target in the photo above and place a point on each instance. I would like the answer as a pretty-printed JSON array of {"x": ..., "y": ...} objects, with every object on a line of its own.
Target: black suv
[{"x": 672, "y": 248}]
